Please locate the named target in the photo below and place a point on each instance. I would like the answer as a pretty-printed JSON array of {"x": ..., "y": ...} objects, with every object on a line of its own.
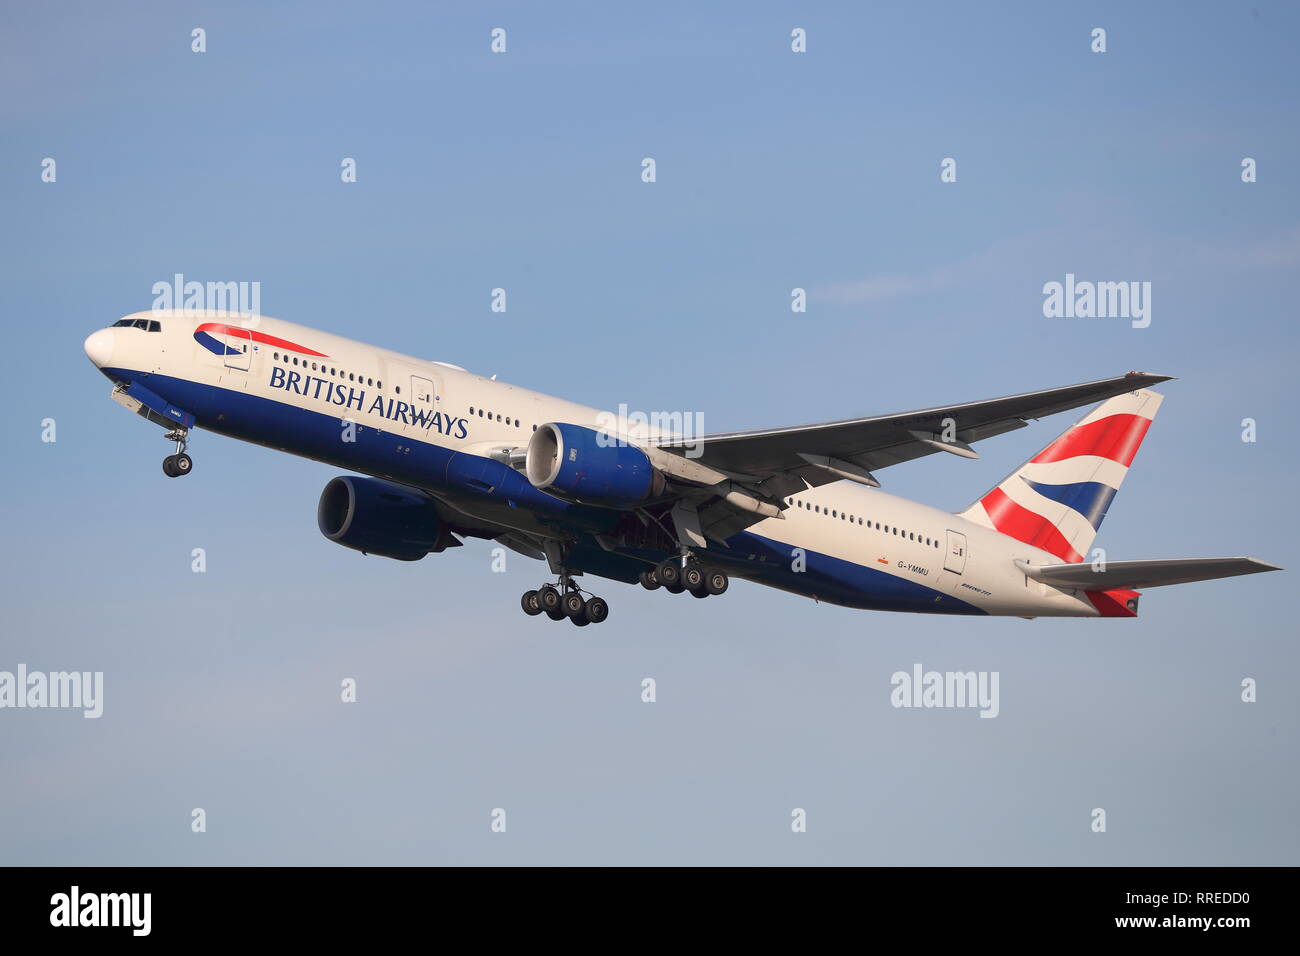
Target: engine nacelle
[
  {"x": 378, "y": 517},
  {"x": 584, "y": 465}
]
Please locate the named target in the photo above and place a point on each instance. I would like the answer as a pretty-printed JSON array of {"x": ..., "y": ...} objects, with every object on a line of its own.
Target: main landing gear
[
  {"x": 563, "y": 601},
  {"x": 676, "y": 575},
  {"x": 174, "y": 466}
]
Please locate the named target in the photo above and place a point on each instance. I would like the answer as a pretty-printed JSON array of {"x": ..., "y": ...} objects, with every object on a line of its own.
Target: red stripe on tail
[
  {"x": 1116, "y": 437},
  {"x": 1119, "y": 602},
  {"x": 1023, "y": 525}
]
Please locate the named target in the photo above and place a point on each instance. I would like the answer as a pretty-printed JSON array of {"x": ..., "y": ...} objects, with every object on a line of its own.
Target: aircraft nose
[{"x": 99, "y": 347}]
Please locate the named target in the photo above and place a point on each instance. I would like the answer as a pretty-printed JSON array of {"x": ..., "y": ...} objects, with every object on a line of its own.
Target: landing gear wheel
[
  {"x": 548, "y": 599},
  {"x": 573, "y": 606},
  {"x": 597, "y": 610},
  {"x": 699, "y": 592},
  {"x": 669, "y": 573},
  {"x": 530, "y": 604},
  {"x": 674, "y": 588},
  {"x": 715, "y": 581},
  {"x": 555, "y": 615},
  {"x": 174, "y": 466},
  {"x": 693, "y": 577},
  {"x": 650, "y": 580},
  {"x": 580, "y": 621}
]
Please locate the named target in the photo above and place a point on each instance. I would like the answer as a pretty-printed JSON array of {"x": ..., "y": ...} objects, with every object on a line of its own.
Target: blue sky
[{"x": 522, "y": 171}]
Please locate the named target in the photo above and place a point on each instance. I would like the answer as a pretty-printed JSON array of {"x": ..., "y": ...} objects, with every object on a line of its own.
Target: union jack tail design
[{"x": 1057, "y": 500}]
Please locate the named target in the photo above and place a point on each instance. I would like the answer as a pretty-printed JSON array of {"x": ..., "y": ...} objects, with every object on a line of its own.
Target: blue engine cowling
[
  {"x": 379, "y": 517},
  {"x": 581, "y": 464}
]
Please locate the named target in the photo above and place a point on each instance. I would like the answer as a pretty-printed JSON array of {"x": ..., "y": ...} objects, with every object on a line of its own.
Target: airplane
[{"x": 445, "y": 455}]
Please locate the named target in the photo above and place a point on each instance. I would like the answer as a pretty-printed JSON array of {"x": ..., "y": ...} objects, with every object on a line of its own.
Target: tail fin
[{"x": 1057, "y": 500}]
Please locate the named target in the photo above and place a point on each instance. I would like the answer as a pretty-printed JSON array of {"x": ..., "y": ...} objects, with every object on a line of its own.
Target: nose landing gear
[{"x": 179, "y": 464}]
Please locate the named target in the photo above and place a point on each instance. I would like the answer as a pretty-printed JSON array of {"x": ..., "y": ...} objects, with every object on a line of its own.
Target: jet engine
[
  {"x": 379, "y": 517},
  {"x": 583, "y": 465}
]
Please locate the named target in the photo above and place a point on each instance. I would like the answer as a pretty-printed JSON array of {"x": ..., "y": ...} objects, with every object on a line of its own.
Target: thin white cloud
[{"x": 1280, "y": 251}]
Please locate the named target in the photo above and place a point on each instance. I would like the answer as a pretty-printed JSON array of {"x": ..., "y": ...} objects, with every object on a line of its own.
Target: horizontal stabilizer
[{"x": 1142, "y": 574}]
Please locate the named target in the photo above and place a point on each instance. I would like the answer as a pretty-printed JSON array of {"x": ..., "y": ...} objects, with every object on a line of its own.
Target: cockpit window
[
  {"x": 123, "y": 323},
  {"x": 148, "y": 325},
  {"x": 155, "y": 326}
]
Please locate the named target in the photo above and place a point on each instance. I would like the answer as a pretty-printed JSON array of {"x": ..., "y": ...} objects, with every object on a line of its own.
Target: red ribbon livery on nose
[{"x": 204, "y": 336}]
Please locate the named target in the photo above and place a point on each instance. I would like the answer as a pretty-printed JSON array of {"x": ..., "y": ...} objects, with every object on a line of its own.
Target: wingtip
[{"x": 1149, "y": 378}]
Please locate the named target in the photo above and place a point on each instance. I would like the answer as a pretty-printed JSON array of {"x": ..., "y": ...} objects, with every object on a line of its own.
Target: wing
[
  {"x": 769, "y": 464},
  {"x": 875, "y": 443},
  {"x": 1142, "y": 574}
]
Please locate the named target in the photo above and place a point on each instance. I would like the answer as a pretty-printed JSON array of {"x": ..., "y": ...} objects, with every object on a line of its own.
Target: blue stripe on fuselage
[
  {"x": 386, "y": 454},
  {"x": 832, "y": 579},
  {"x": 422, "y": 464}
]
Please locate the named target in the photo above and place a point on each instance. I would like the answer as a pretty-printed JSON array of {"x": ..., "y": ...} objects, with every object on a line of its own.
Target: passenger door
[
  {"x": 955, "y": 561},
  {"x": 424, "y": 403},
  {"x": 239, "y": 348},
  {"x": 423, "y": 392}
]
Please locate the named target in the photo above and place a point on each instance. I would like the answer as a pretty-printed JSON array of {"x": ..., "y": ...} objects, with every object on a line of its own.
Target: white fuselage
[{"x": 280, "y": 396}]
